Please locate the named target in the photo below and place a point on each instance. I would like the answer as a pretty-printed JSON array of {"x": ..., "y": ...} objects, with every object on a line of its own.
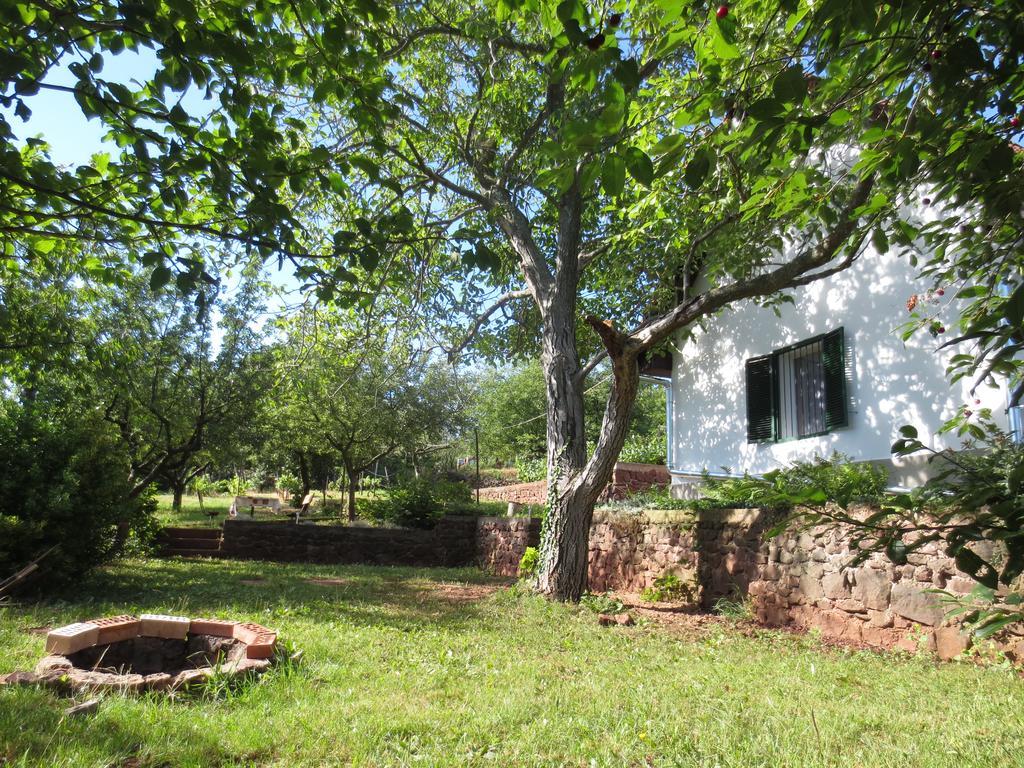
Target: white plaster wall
[{"x": 890, "y": 383}]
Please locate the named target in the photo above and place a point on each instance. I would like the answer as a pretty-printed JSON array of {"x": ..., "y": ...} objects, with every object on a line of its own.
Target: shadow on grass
[{"x": 396, "y": 597}]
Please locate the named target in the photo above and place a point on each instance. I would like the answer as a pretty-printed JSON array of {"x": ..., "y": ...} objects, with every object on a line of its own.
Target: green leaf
[
  {"x": 765, "y": 109},
  {"x": 720, "y": 46},
  {"x": 698, "y": 168},
  {"x": 879, "y": 240},
  {"x": 639, "y": 166},
  {"x": 160, "y": 277},
  {"x": 613, "y": 175},
  {"x": 790, "y": 86},
  {"x": 1013, "y": 310}
]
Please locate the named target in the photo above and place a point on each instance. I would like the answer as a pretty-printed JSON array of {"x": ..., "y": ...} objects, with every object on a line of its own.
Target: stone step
[
  {"x": 189, "y": 552},
  {"x": 192, "y": 533},
  {"x": 193, "y": 543}
]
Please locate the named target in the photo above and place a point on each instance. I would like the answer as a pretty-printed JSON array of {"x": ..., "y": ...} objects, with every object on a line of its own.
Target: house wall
[{"x": 890, "y": 382}]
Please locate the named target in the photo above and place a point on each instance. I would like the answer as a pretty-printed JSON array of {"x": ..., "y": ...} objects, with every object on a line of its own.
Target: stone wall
[
  {"x": 805, "y": 579},
  {"x": 520, "y": 493},
  {"x": 808, "y": 579},
  {"x": 501, "y": 541},
  {"x": 626, "y": 479},
  {"x": 451, "y": 543}
]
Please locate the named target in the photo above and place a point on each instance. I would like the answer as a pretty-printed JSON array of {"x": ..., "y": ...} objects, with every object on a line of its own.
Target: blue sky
[{"x": 74, "y": 139}]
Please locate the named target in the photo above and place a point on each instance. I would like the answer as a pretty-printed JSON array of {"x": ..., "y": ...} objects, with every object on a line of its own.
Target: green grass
[
  {"x": 191, "y": 516},
  {"x": 396, "y": 675}
]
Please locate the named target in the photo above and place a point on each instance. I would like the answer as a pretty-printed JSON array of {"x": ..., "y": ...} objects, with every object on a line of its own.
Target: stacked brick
[{"x": 149, "y": 652}]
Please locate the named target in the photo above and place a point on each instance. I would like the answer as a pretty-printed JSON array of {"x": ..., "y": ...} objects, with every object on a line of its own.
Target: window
[{"x": 798, "y": 391}]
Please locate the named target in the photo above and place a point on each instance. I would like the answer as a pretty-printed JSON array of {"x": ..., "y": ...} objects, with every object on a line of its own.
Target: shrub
[
  {"x": 837, "y": 479},
  {"x": 644, "y": 449},
  {"x": 529, "y": 563},
  {"x": 668, "y": 586},
  {"x": 531, "y": 470},
  {"x": 64, "y": 481}
]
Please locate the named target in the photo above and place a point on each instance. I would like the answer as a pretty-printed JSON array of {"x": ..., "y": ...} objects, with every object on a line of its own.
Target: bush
[
  {"x": 644, "y": 449},
  {"x": 64, "y": 482},
  {"x": 667, "y": 587},
  {"x": 291, "y": 485},
  {"x": 529, "y": 563},
  {"x": 531, "y": 470},
  {"x": 837, "y": 479}
]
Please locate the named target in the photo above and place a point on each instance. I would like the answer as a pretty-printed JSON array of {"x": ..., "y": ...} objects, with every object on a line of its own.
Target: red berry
[
  {"x": 940, "y": 292},
  {"x": 927, "y": 201},
  {"x": 942, "y": 329},
  {"x": 614, "y": 20},
  {"x": 977, "y": 401},
  {"x": 968, "y": 414},
  {"x": 1015, "y": 122},
  {"x": 723, "y": 11},
  {"x": 936, "y": 54}
]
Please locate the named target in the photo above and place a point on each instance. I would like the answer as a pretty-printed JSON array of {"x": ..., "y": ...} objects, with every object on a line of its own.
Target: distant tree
[
  {"x": 361, "y": 390},
  {"x": 168, "y": 390}
]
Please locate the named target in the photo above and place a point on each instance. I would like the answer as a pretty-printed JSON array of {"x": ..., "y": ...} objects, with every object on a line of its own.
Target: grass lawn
[
  {"x": 431, "y": 667},
  {"x": 191, "y": 516}
]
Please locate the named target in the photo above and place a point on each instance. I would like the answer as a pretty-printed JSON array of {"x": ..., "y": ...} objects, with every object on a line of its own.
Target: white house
[{"x": 756, "y": 391}]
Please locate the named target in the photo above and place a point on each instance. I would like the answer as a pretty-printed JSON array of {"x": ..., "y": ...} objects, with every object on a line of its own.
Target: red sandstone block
[
  {"x": 249, "y": 631},
  {"x": 158, "y": 625},
  {"x": 215, "y": 627},
  {"x": 116, "y": 628},
  {"x": 262, "y": 646},
  {"x": 72, "y": 638}
]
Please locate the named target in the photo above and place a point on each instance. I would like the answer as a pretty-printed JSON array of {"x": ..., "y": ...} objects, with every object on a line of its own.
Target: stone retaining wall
[
  {"x": 627, "y": 478},
  {"x": 804, "y": 579},
  {"x": 501, "y": 541},
  {"x": 451, "y": 543},
  {"x": 520, "y": 493}
]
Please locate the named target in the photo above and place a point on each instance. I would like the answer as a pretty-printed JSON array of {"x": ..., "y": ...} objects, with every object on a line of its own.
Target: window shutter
[
  {"x": 834, "y": 361},
  {"x": 760, "y": 400}
]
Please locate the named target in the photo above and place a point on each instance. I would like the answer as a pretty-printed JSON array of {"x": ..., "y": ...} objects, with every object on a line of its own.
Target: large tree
[
  {"x": 632, "y": 168},
  {"x": 608, "y": 173}
]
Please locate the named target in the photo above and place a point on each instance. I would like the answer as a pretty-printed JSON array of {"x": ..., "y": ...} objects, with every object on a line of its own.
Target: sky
[{"x": 74, "y": 139}]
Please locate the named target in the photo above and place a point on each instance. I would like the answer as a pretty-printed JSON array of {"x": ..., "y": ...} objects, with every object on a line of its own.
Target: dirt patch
[
  {"x": 36, "y": 631},
  {"x": 326, "y": 582},
  {"x": 254, "y": 581},
  {"x": 460, "y": 594}
]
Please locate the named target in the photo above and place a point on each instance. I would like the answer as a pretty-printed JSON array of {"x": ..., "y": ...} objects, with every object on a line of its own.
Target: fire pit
[{"x": 151, "y": 652}]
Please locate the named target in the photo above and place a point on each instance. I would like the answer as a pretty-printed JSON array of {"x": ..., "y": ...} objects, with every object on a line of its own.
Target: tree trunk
[
  {"x": 303, "y": 472},
  {"x": 179, "y": 492},
  {"x": 353, "y": 478},
  {"x": 574, "y": 484}
]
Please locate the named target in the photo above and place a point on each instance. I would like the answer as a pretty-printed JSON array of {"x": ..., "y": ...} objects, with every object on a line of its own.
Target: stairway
[{"x": 190, "y": 542}]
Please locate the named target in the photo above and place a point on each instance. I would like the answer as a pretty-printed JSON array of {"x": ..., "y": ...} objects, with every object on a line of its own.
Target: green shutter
[
  {"x": 834, "y": 360},
  {"x": 760, "y": 400}
]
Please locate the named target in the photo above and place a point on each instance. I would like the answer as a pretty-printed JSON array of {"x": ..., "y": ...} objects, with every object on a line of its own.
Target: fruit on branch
[
  {"x": 595, "y": 42},
  {"x": 722, "y": 12}
]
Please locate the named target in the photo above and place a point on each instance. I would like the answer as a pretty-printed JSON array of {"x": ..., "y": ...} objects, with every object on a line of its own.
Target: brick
[
  {"x": 215, "y": 627},
  {"x": 116, "y": 628},
  {"x": 170, "y": 627},
  {"x": 249, "y": 631},
  {"x": 261, "y": 647},
  {"x": 72, "y": 638}
]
